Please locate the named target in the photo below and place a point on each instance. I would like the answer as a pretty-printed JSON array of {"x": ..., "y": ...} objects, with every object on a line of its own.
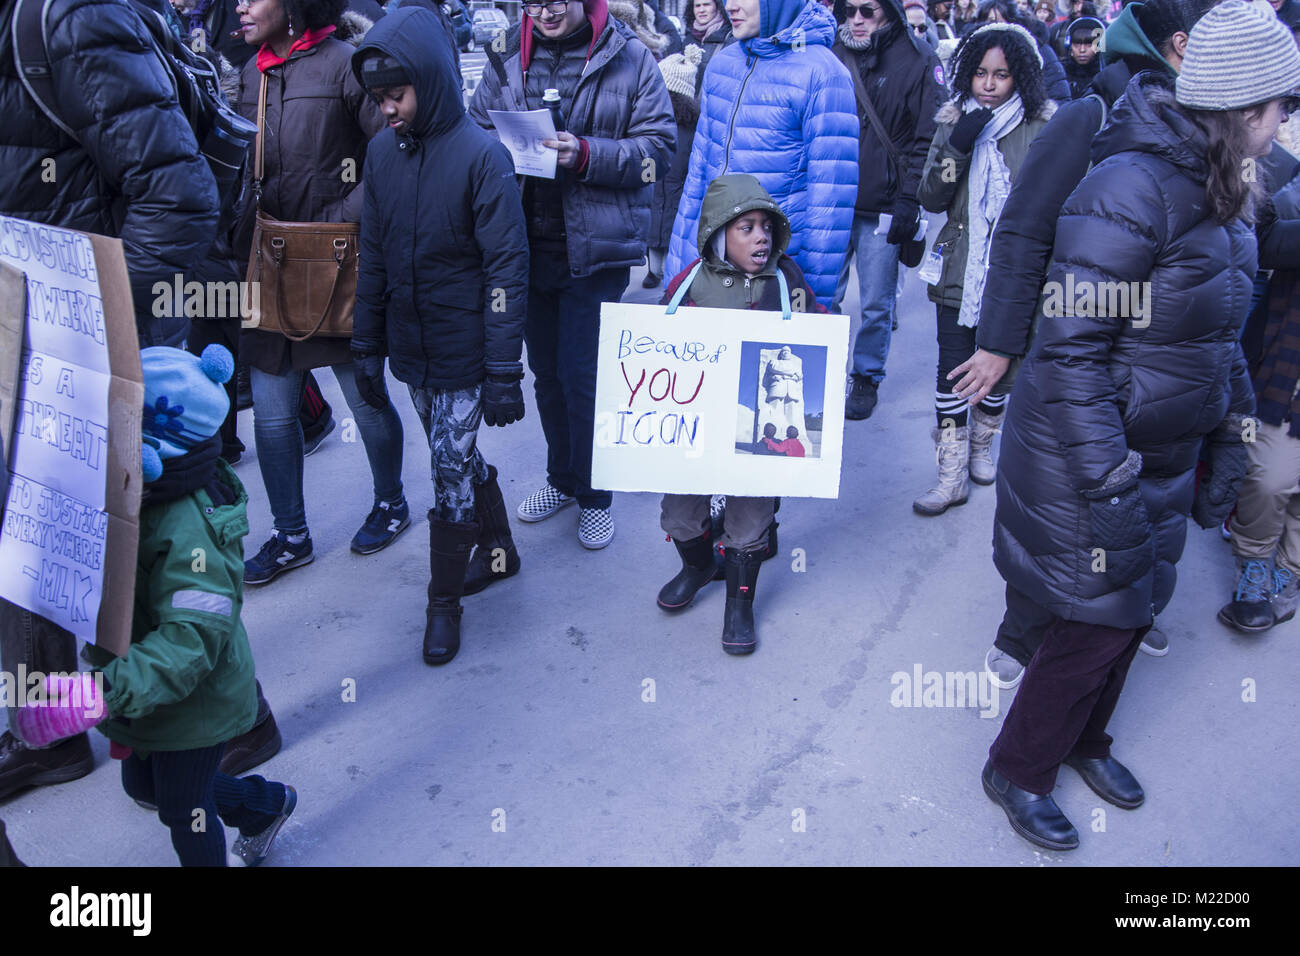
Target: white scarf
[{"x": 988, "y": 184}]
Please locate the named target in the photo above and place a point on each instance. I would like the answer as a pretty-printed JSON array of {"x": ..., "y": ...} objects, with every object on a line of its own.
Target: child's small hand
[
  {"x": 568, "y": 146},
  {"x": 73, "y": 705}
]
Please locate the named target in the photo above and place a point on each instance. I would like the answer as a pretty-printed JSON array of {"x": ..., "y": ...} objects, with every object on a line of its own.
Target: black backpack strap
[{"x": 32, "y": 59}]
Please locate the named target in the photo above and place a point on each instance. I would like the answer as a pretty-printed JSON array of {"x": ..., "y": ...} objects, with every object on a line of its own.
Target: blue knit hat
[{"x": 185, "y": 401}]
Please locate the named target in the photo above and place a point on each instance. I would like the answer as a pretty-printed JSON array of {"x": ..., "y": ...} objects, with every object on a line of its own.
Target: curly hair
[
  {"x": 313, "y": 14},
  {"x": 688, "y": 15},
  {"x": 1228, "y": 193},
  {"x": 1021, "y": 59}
]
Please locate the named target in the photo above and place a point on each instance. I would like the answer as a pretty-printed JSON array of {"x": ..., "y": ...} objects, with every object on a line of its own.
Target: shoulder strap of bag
[
  {"x": 864, "y": 101},
  {"x": 1105, "y": 110},
  {"x": 785, "y": 292},
  {"x": 32, "y": 59},
  {"x": 680, "y": 294},
  {"x": 259, "y": 149}
]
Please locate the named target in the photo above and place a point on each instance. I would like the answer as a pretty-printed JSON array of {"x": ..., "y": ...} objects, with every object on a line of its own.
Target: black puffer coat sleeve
[
  {"x": 502, "y": 233},
  {"x": 1110, "y": 231},
  {"x": 1056, "y": 163},
  {"x": 120, "y": 102},
  {"x": 369, "y": 322}
]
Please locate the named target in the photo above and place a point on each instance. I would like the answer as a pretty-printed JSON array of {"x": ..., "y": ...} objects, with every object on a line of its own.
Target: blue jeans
[
  {"x": 562, "y": 332},
  {"x": 278, "y": 432},
  {"x": 877, "y": 263}
]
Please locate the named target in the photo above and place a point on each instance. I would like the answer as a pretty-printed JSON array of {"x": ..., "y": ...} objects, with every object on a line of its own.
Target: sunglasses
[
  {"x": 918, "y": 27},
  {"x": 1291, "y": 105},
  {"x": 866, "y": 11}
]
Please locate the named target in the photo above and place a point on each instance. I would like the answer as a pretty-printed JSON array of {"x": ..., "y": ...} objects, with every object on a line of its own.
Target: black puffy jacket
[
  {"x": 905, "y": 81},
  {"x": 442, "y": 287},
  {"x": 1094, "y": 388},
  {"x": 133, "y": 171}
]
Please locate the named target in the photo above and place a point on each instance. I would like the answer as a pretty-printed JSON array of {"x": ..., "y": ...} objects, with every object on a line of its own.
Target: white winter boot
[
  {"x": 952, "y": 451},
  {"x": 982, "y": 429}
]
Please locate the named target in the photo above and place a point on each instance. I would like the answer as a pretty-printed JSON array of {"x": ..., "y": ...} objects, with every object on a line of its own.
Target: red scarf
[{"x": 267, "y": 58}]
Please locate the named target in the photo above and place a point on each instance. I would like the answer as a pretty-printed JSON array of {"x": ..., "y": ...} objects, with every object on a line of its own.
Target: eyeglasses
[
  {"x": 867, "y": 11},
  {"x": 1291, "y": 105},
  {"x": 555, "y": 9}
]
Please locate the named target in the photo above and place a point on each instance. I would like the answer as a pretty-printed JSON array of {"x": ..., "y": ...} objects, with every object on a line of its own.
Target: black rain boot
[
  {"x": 738, "y": 635},
  {"x": 698, "y": 567},
  {"x": 450, "y": 543},
  {"x": 495, "y": 545}
]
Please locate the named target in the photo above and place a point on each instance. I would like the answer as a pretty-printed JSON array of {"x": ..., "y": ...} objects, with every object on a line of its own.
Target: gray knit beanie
[{"x": 1236, "y": 57}]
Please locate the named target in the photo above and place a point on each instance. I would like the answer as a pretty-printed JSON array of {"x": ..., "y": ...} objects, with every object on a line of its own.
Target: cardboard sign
[
  {"x": 71, "y": 523},
  {"x": 719, "y": 401}
]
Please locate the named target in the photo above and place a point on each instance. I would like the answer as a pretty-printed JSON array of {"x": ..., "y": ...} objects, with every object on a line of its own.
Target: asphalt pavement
[{"x": 582, "y": 725}]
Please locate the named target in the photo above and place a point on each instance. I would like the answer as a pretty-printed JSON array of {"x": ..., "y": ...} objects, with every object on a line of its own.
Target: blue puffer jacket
[{"x": 780, "y": 106}]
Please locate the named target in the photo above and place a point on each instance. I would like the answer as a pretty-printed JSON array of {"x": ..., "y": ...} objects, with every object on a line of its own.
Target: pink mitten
[{"x": 74, "y": 704}]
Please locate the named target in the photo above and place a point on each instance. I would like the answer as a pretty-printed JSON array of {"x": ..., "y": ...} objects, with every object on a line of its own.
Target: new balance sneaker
[
  {"x": 278, "y": 555},
  {"x": 595, "y": 528},
  {"x": 542, "y": 504},
  {"x": 253, "y": 850},
  {"x": 382, "y": 526}
]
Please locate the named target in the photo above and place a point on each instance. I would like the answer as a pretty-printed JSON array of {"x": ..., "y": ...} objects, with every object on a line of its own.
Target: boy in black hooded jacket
[{"x": 441, "y": 290}]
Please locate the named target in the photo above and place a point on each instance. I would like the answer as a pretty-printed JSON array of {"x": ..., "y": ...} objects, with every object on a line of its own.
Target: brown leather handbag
[{"x": 309, "y": 266}]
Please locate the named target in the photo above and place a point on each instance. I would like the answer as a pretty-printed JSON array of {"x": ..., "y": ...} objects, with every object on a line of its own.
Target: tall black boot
[
  {"x": 738, "y": 635},
  {"x": 496, "y": 558},
  {"x": 698, "y": 567},
  {"x": 450, "y": 543}
]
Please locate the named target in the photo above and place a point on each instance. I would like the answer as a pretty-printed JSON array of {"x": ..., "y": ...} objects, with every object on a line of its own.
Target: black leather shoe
[
  {"x": 1035, "y": 817},
  {"x": 256, "y": 747},
  {"x": 861, "y": 400},
  {"x": 1109, "y": 779},
  {"x": 22, "y": 767}
]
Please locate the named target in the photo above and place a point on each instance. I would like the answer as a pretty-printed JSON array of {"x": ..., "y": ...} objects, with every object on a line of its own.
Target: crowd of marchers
[{"x": 1111, "y": 250}]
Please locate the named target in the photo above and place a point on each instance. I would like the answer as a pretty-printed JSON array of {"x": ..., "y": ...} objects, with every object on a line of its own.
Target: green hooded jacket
[
  {"x": 1125, "y": 37},
  {"x": 721, "y": 285},
  {"x": 187, "y": 680}
]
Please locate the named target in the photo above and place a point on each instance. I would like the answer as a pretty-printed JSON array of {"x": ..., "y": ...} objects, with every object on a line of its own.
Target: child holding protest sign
[
  {"x": 742, "y": 238},
  {"x": 186, "y": 685}
]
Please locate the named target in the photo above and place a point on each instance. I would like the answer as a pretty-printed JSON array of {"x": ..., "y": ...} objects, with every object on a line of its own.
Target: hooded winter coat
[
  {"x": 443, "y": 282},
  {"x": 1096, "y": 388},
  {"x": 905, "y": 82},
  {"x": 780, "y": 106},
  {"x": 719, "y": 284},
  {"x": 318, "y": 122},
  {"x": 133, "y": 170},
  {"x": 1057, "y": 161},
  {"x": 187, "y": 680},
  {"x": 621, "y": 109},
  {"x": 945, "y": 187}
]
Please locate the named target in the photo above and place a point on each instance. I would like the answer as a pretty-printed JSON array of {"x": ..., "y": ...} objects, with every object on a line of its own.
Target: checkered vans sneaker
[
  {"x": 595, "y": 528},
  {"x": 542, "y": 504}
]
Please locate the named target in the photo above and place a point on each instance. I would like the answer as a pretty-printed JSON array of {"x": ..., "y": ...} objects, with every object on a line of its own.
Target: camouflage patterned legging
[{"x": 451, "y": 420}]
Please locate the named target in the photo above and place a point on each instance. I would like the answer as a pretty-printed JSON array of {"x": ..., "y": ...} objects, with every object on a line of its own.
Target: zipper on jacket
[{"x": 731, "y": 126}]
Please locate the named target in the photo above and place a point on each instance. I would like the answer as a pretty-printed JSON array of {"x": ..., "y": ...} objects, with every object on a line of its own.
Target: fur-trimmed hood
[
  {"x": 353, "y": 27},
  {"x": 641, "y": 18},
  {"x": 951, "y": 111}
]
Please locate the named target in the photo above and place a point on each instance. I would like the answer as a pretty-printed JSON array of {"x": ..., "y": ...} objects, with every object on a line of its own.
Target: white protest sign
[
  {"x": 69, "y": 531},
  {"x": 522, "y": 133},
  {"x": 719, "y": 401}
]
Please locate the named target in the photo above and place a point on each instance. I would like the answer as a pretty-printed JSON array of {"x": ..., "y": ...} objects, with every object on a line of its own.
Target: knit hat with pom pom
[
  {"x": 679, "y": 70},
  {"x": 185, "y": 401}
]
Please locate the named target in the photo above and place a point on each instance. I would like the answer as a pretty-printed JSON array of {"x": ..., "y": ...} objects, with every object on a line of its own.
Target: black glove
[
  {"x": 968, "y": 128},
  {"x": 907, "y": 216},
  {"x": 1228, "y": 461},
  {"x": 503, "y": 400},
  {"x": 370, "y": 380}
]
